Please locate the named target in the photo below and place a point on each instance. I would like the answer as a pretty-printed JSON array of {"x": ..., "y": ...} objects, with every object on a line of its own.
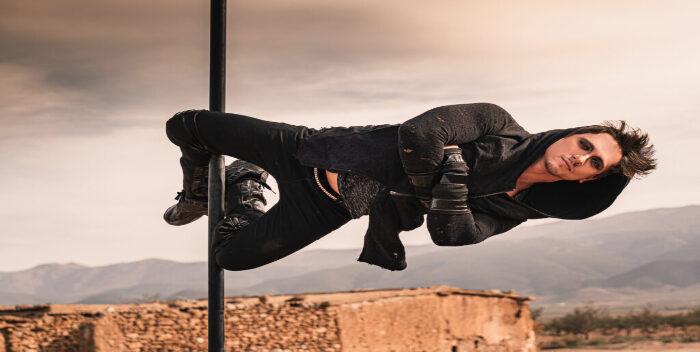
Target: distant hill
[
  {"x": 657, "y": 274},
  {"x": 145, "y": 279},
  {"x": 545, "y": 259},
  {"x": 652, "y": 254}
]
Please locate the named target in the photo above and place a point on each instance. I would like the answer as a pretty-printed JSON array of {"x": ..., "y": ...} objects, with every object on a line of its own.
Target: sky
[{"x": 86, "y": 170}]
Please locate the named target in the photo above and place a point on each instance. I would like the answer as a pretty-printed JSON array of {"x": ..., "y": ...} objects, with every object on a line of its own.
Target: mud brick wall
[{"x": 428, "y": 319}]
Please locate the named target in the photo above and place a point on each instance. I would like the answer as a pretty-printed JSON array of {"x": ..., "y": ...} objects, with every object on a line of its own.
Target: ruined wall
[
  {"x": 445, "y": 321},
  {"x": 432, "y": 319},
  {"x": 180, "y": 326},
  {"x": 40, "y": 331}
]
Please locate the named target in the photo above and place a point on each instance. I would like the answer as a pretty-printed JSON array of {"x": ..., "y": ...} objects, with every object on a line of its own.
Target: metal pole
[{"x": 217, "y": 98}]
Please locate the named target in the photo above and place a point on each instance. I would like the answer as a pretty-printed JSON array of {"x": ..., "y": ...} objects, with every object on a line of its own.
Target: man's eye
[
  {"x": 597, "y": 163},
  {"x": 585, "y": 145}
]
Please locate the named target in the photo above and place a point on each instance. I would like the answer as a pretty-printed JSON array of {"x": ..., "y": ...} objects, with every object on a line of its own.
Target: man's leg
[
  {"x": 201, "y": 133},
  {"x": 302, "y": 215}
]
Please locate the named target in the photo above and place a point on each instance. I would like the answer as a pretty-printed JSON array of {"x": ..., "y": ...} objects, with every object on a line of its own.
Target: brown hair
[{"x": 637, "y": 153}]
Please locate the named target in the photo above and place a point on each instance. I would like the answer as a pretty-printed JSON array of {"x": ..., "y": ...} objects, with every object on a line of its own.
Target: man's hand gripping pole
[{"x": 449, "y": 195}]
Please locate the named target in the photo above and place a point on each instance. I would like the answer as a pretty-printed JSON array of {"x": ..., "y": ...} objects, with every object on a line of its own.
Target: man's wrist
[{"x": 426, "y": 180}]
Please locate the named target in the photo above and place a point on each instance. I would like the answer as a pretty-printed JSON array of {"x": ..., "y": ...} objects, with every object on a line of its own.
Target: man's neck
[{"x": 535, "y": 173}]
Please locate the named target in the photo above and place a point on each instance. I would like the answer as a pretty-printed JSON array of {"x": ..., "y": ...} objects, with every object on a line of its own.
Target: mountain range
[{"x": 627, "y": 260}]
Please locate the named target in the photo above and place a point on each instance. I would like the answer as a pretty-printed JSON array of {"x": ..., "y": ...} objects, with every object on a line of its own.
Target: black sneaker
[
  {"x": 244, "y": 187},
  {"x": 185, "y": 210},
  {"x": 244, "y": 183}
]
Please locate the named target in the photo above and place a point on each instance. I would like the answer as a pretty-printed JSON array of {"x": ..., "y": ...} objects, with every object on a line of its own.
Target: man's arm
[
  {"x": 422, "y": 138},
  {"x": 460, "y": 230}
]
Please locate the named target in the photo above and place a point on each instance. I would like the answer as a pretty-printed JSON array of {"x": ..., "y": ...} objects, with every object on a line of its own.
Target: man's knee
[
  {"x": 233, "y": 248},
  {"x": 238, "y": 255},
  {"x": 230, "y": 265},
  {"x": 175, "y": 127},
  {"x": 236, "y": 261},
  {"x": 181, "y": 129}
]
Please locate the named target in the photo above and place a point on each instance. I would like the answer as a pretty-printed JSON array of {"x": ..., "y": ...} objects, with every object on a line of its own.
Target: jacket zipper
[{"x": 490, "y": 194}]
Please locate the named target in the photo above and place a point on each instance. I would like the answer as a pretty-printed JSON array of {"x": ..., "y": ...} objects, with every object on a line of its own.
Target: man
[{"x": 470, "y": 167}]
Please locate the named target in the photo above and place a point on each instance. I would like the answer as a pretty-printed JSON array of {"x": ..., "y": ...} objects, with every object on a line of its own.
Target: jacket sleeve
[
  {"x": 422, "y": 138},
  {"x": 465, "y": 229}
]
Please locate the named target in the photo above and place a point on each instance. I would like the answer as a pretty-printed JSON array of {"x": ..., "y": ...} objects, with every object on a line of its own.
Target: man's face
[{"x": 582, "y": 157}]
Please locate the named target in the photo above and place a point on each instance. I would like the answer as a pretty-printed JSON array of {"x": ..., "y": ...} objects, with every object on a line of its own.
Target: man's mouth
[{"x": 568, "y": 166}]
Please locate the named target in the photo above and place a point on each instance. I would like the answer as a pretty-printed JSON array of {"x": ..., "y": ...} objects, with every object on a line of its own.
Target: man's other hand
[{"x": 449, "y": 196}]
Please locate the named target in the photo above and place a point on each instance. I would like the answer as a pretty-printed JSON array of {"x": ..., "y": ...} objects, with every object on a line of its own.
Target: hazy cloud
[
  {"x": 86, "y": 66},
  {"x": 85, "y": 87}
]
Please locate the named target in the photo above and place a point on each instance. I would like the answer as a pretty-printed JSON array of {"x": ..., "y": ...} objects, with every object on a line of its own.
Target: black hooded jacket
[{"x": 496, "y": 149}]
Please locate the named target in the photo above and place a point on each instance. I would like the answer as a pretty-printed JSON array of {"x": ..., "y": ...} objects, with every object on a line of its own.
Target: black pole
[{"x": 217, "y": 98}]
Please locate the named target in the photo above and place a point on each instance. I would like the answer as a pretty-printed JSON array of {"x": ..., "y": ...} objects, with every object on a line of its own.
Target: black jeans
[{"x": 303, "y": 214}]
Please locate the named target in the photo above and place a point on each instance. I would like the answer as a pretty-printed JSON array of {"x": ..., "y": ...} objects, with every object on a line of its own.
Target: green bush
[
  {"x": 583, "y": 321},
  {"x": 572, "y": 342},
  {"x": 554, "y": 344}
]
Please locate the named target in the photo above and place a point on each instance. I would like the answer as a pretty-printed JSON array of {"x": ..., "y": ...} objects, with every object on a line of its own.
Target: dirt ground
[{"x": 650, "y": 346}]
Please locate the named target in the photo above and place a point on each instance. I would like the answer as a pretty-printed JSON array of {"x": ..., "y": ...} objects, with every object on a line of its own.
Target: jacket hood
[{"x": 569, "y": 200}]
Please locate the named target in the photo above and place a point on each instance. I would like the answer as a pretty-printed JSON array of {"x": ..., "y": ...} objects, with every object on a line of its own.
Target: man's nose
[{"x": 579, "y": 159}]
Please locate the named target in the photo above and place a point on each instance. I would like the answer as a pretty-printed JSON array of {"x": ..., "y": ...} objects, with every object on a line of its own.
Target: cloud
[
  {"x": 83, "y": 67},
  {"x": 78, "y": 67},
  {"x": 85, "y": 87}
]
